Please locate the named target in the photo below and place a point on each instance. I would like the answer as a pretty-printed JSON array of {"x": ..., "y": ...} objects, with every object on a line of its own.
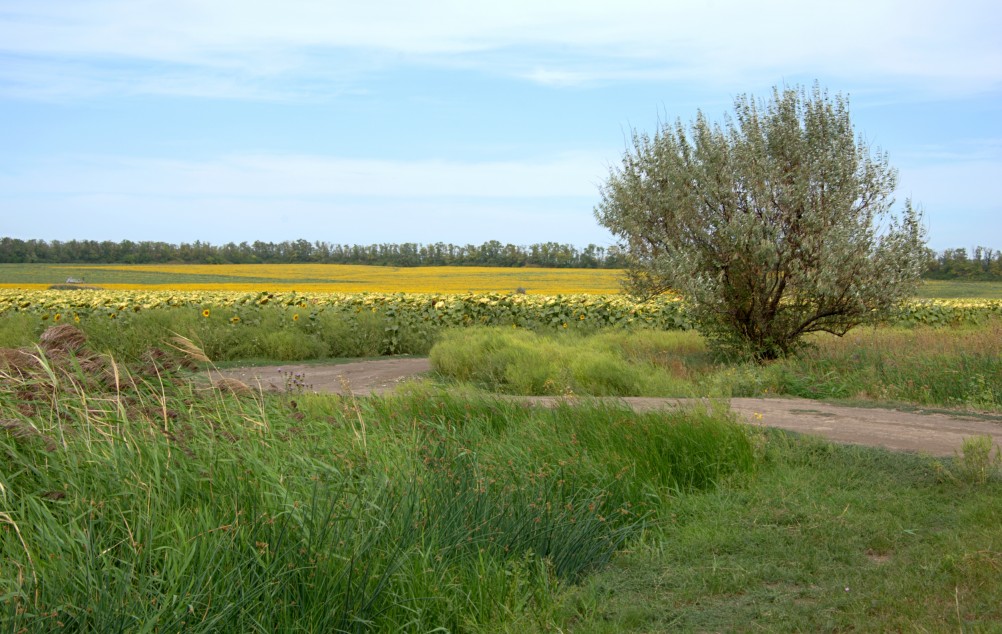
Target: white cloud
[{"x": 947, "y": 46}]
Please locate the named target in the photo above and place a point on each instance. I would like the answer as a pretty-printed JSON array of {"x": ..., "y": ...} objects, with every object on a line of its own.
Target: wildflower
[{"x": 205, "y": 313}]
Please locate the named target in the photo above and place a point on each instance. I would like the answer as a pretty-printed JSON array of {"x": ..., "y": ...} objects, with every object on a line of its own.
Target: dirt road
[{"x": 934, "y": 433}]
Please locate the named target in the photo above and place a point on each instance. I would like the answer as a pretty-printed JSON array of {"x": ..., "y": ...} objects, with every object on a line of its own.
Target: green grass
[
  {"x": 945, "y": 367},
  {"x": 144, "y": 502},
  {"x": 826, "y": 538},
  {"x": 96, "y": 274},
  {"x": 958, "y": 289},
  {"x": 133, "y": 499},
  {"x": 268, "y": 333},
  {"x": 524, "y": 362}
]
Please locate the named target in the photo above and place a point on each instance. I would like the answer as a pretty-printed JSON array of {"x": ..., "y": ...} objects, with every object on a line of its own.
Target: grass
[
  {"x": 826, "y": 538},
  {"x": 133, "y": 499},
  {"x": 946, "y": 367},
  {"x": 278, "y": 334},
  {"x": 959, "y": 289}
]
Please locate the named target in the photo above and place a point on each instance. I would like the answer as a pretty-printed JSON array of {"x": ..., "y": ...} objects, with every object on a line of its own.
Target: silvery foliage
[{"x": 773, "y": 225}]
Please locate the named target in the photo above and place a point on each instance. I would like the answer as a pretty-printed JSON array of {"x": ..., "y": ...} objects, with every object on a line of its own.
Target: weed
[
  {"x": 976, "y": 464},
  {"x": 294, "y": 383}
]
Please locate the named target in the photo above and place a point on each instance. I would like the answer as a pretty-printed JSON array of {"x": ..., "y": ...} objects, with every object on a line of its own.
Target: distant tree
[{"x": 773, "y": 225}]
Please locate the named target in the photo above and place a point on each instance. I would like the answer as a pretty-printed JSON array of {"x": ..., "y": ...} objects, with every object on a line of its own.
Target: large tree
[{"x": 774, "y": 224}]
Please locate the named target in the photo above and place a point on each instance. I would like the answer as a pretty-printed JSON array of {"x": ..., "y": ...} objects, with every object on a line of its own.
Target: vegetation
[
  {"x": 313, "y": 278},
  {"x": 491, "y": 253},
  {"x": 983, "y": 263},
  {"x": 945, "y": 367},
  {"x": 291, "y": 326},
  {"x": 135, "y": 497},
  {"x": 956, "y": 289},
  {"x": 134, "y": 500},
  {"x": 773, "y": 226},
  {"x": 827, "y": 538}
]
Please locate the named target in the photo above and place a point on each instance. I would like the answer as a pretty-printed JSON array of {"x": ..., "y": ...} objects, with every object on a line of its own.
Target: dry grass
[{"x": 986, "y": 339}]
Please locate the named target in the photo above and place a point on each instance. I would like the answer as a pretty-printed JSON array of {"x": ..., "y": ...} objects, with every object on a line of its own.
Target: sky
[{"x": 393, "y": 121}]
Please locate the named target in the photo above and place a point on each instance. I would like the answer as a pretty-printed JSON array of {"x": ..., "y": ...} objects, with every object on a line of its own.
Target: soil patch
[{"x": 361, "y": 378}]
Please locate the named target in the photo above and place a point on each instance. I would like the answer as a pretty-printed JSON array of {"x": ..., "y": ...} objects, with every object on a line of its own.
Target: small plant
[
  {"x": 295, "y": 382},
  {"x": 976, "y": 463}
]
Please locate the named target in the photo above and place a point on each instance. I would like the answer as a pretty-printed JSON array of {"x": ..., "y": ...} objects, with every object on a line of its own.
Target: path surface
[{"x": 934, "y": 433}]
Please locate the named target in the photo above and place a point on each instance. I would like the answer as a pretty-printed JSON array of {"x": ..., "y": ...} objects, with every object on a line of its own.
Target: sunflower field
[
  {"x": 461, "y": 309},
  {"x": 405, "y": 322},
  {"x": 450, "y": 309}
]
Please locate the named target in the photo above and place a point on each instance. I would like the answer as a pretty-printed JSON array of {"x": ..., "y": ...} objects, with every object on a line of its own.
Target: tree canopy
[{"x": 776, "y": 223}]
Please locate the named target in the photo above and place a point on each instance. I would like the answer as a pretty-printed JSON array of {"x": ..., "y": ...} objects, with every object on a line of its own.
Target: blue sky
[{"x": 395, "y": 121}]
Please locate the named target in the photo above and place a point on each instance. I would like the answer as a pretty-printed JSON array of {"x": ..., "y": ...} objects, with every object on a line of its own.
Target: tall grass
[
  {"x": 513, "y": 361},
  {"x": 943, "y": 366},
  {"x": 950, "y": 367},
  {"x": 132, "y": 500},
  {"x": 276, "y": 333}
]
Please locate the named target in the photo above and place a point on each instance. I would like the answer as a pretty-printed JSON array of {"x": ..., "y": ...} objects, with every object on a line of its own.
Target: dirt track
[{"x": 938, "y": 433}]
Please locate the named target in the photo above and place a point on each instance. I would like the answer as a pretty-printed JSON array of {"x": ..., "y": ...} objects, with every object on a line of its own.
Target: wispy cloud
[{"x": 264, "y": 47}]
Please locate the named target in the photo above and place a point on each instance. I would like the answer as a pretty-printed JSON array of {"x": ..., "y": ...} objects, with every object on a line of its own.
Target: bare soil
[{"x": 935, "y": 433}]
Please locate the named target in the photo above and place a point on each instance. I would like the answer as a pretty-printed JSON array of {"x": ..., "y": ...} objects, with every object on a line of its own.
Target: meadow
[{"x": 136, "y": 496}]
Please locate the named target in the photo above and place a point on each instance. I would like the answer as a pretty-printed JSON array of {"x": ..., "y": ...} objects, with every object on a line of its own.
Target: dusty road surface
[
  {"x": 360, "y": 377},
  {"x": 934, "y": 433}
]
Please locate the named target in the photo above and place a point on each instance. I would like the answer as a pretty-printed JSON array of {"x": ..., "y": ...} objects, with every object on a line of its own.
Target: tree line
[
  {"x": 980, "y": 263},
  {"x": 491, "y": 253}
]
